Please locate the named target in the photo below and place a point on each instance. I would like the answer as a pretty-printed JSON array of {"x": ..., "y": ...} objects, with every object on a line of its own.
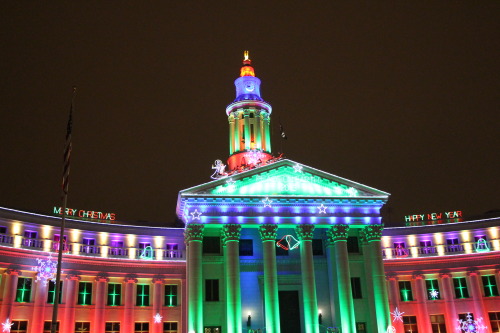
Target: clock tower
[{"x": 249, "y": 118}]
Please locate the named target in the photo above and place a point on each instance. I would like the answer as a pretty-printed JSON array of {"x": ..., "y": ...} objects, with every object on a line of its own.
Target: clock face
[{"x": 249, "y": 86}]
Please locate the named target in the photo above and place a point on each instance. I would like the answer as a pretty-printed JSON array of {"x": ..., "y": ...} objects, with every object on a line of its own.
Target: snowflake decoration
[
  {"x": 470, "y": 325},
  {"x": 297, "y": 167},
  {"x": 254, "y": 158},
  {"x": 434, "y": 294},
  {"x": 398, "y": 315},
  {"x": 267, "y": 202},
  {"x": 46, "y": 269},
  {"x": 7, "y": 325},
  {"x": 391, "y": 329},
  {"x": 157, "y": 317},
  {"x": 322, "y": 209},
  {"x": 196, "y": 214}
]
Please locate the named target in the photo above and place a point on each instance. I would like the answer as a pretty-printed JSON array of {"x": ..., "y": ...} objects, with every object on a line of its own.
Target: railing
[
  {"x": 32, "y": 242},
  {"x": 118, "y": 252},
  {"x": 170, "y": 254},
  {"x": 145, "y": 254},
  {"x": 90, "y": 249},
  {"x": 454, "y": 248},
  {"x": 55, "y": 247},
  {"x": 427, "y": 251},
  {"x": 5, "y": 239}
]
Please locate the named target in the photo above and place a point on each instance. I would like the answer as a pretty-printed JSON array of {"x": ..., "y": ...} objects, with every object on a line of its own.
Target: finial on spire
[
  {"x": 247, "y": 69},
  {"x": 245, "y": 56}
]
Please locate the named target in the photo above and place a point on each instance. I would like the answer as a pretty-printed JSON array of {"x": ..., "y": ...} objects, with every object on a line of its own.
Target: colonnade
[{"x": 337, "y": 257}]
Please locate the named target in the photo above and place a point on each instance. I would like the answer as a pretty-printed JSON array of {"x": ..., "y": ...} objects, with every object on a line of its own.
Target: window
[
  {"x": 112, "y": 327},
  {"x": 19, "y": 326},
  {"x": 3, "y": 230},
  {"x": 432, "y": 289},
  {"x": 246, "y": 247},
  {"x": 211, "y": 290},
  {"x": 495, "y": 321},
  {"x": 464, "y": 316},
  {"x": 117, "y": 249},
  {"x": 30, "y": 239},
  {"x": 317, "y": 247},
  {"x": 405, "y": 291},
  {"x": 212, "y": 329},
  {"x": 438, "y": 324},
  {"x": 55, "y": 243},
  {"x": 426, "y": 247},
  {"x": 452, "y": 245},
  {"x": 146, "y": 251},
  {"x": 361, "y": 328},
  {"x": 84, "y": 293},
  {"x": 141, "y": 328},
  {"x": 142, "y": 298},
  {"x": 211, "y": 245},
  {"x": 490, "y": 286},
  {"x": 51, "y": 293},
  {"x": 114, "y": 294},
  {"x": 356, "y": 287},
  {"x": 410, "y": 324},
  {"x": 89, "y": 246},
  {"x": 23, "y": 293},
  {"x": 172, "y": 251},
  {"x": 400, "y": 249},
  {"x": 353, "y": 245},
  {"x": 460, "y": 285},
  {"x": 47, "y": 325},
  {"x": 170, "y": 327},
  {"x": 171, "y": 295},
  {"x": 82, "y": 327},
  {"x": 481, "y": 244}
]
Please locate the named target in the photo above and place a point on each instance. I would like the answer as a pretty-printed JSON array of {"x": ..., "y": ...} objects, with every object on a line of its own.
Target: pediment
[{"x": 284, "y": 178}]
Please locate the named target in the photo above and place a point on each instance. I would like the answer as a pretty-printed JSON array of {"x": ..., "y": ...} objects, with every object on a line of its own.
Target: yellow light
[
  {"x": 46, "y": 231},
  {"x": 131, "y": 240},
  {"x": 158, "y": 242},
  {"x": 247, "y": 71},
  {"x": 245, "y": 55},
  {"x": 104, "y": 251},
  {"x": 468, "y": 248},
  {"x": 414, "y": 251},
  {"x": 412, "y": 240},
  {"x": 386, "y": 241},
  {"x": 496, "y": 244},
  {"x": 17, "y": 241},
  {"x": 465, "y": 236},
  {"x": 319, "y": 311},
  {"x": 493, "y": 231},
  {"x": 103, "y": 238},
  {"x": 75, "y": 235},
  {"x": 438, "y": 238},
  {"x": 440, "y": 250},
  {"x": 16, "y": 228}
]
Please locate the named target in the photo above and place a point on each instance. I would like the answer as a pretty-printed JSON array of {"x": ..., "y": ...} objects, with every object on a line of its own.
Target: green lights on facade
[
  {"x": 114, "y": 294},
  {"x": 490, "y": 286},
  {"x": 432, "y": 289},
  {"x": 23, "y": 293},
  {"x": 405, "y": 291},
  {"x": 85, "y": 293},
  {"x": 142, "y": 295},
  {"x": 171, "y": 295},
  {"x": 460, "y": 285}
]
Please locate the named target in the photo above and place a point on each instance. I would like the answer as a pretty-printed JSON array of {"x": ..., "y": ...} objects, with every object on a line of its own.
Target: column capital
[
  {"x": 305, "y": 231},
  {"x": 193, "y": 232},
  {"x": 444, "y": 275},
  {"x": 132, "y": 278},
  {"x": 418, "y": 276},
  {"x": 472, "y": 272},
  {"x": 11, "y": 271},
  {"x": 337, "y": 233},
  {"x": 391, "y": 277},
  {"x": 74, "y": 277},
  {"x": 373, "y": 232},
  {"x": 230, "y": 232},
  {"x": 268, "y": 232},
  {"x": 158, "y": 279},
  {"x": 102, "y": 277}
]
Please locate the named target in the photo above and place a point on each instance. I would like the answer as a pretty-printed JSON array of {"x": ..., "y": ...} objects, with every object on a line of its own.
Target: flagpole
[{"x": 67, "y": 153}]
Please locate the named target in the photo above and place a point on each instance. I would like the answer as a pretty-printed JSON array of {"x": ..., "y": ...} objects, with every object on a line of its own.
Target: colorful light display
[
  {"x": 291, "y": 243},
  {"x": 322, "y": 209},
  {"x": 147, "y": 253},
  {"x": 267, "y": 202},
  {"x": 397, "y": 315},
  {"x": 391, "y": 329},
  {"x": 85, "y": 214},
  {"x": 157, "y": 318},
  {"x": 470, "y": 325},
  {"x": 219, "y": 168},
  {"x": 46, "y": 269},
  {"x": 434, "y": 294},
  {"x": 482, "y": 245},
  {"x": 196, "y": 214}
]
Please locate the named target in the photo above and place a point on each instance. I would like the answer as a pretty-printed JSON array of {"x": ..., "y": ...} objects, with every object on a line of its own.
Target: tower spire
[{"x": 249, "y": 118}]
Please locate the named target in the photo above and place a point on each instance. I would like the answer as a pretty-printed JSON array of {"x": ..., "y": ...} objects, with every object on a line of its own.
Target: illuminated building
[{"x": 269, "y": 244}]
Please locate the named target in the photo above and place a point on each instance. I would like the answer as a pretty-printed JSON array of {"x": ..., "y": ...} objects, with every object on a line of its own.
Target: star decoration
[
  {"x": 398, "y": 315},
  {"x": 434, "y": 294},
  {"x": 267, "y": 202},
  {"x": 322, "y": 209},
  {"x": 196, "y": 214},
  {"x": 297, "y": 167},
  {"x": 7, "y": 325},
  {"x": 157, "y": 317},
  {"x": 46, "y": 270}
]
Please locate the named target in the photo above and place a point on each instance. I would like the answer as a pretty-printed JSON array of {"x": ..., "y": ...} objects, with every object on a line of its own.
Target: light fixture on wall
[
  {"x": 320, "y": 317},
  {"x": 249, "y": 319}
]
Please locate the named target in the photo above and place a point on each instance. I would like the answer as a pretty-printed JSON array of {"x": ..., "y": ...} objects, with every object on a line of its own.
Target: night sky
[{"x": 400, "y": 96}]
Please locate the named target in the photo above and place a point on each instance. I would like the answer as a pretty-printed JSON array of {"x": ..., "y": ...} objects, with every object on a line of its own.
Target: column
[
  {"x": 127, "y": 324},
  {"x": 337, "y": 238},
  {"x": 231, "y": 135},
  {"x": 373, "y": 255},
  {"x": 477, "y": 294},
  {"x": 271, "y": 298},
  {"x": 394, "y": 300},
  {"x": 193, "y": 236},
  {"x": 450, "y": 315},
  {"x": 100, "y": 302},
  {"x": 158, "y": 283},
  {"x": 39, "y": 306},
  {"x": 237, "y": 136},
  {"x": 497, "y": 277},
  {"x": 68, "y": 321},
  {"x": 372, "y": 322},
  {"x": 423, "y": 319},
  {"x": 9, "y": 294},
  {"x": 247, "y": 131},
  {"x": 305, "y": 234},
  {"x": 231, "y": 241},
  {"x": 257, "y": 127},
  {"x": 267, "y": 136}
]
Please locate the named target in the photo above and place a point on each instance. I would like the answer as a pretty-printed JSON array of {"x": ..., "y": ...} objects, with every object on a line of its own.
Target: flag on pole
[
  {"x": 282, "y": 132},
  {"x": 67, "y": 148}
]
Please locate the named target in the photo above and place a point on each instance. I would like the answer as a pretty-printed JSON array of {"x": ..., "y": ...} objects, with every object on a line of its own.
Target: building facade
[{"x": 269, "y": 245}]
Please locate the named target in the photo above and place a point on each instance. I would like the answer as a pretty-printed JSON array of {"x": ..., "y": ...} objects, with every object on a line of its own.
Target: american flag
[{"x": 67, "y": 148}]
